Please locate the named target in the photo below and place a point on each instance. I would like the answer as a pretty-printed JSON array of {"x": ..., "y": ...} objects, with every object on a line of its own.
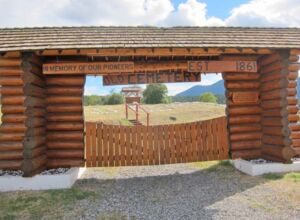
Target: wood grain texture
[{"x": 160, "y": 144}]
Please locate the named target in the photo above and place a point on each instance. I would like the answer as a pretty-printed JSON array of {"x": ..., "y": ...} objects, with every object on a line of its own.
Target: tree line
[{"x": 153, "y": 94}]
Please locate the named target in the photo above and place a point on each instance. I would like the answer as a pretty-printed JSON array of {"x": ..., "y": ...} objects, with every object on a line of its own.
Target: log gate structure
[{"x": 42, "y": 76}]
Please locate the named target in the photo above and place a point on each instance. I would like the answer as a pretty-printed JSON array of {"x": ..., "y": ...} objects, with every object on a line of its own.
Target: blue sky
[
  {"x": 218, "y": 8},
  {"x": 258, "y": 13}
]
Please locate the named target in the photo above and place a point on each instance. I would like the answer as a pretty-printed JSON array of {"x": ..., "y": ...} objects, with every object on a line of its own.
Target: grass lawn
[{"x": 159, "y": 113}]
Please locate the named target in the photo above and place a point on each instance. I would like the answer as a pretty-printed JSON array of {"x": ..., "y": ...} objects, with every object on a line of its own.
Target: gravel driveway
[{"x": 185, "y": 191}]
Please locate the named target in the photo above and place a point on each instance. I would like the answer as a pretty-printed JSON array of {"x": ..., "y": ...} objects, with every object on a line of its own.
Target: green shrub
[{"x": 208, "y": 97}]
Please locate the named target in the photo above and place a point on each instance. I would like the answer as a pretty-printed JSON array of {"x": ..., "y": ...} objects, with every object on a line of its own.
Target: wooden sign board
[
  {"x": 147, "y": 78},
  {"x": 105, "y": 68},
  {"x": 245, "y": 97},
  {"x": 222, "y": 66},
  {"x": 88, "y": 68}
]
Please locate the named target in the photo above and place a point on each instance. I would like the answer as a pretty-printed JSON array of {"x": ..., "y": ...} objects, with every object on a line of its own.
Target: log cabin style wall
[
  {"x": 65, "y": 123},
  {"x": 12, "y": 129},
  {"x": 34, "y": 142},
  {"x": 243, "y": 114},
  {"x": 279, "y": 106},
  {"x": 22, "y": 132},
  {"x": 294, "y": 67}
]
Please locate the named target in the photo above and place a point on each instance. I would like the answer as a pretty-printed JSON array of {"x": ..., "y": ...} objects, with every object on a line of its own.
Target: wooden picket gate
[{"x": 114, "y": 145}]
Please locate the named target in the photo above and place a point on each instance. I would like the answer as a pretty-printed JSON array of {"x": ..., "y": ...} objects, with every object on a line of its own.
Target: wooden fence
[{"x": 114, "y": 145}]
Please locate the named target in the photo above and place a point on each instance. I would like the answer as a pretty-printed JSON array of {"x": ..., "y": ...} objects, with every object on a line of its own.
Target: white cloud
[
  {"x": 92, "y": 90},
  {"x": 192, "y": 13},
  {"x": 88, "y": 12},
  {"x": 20, "y": 13},
  {"x": 284, "y": 13}
]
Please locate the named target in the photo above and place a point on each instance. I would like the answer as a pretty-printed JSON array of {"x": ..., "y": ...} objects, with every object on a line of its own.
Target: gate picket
[
  {"x": 133, "y": 145},
  {"x": 150, "y": 141},
  {"x": 172, "y": 144},
  {"x": 99, "y": 145},
  {"x": 122, "y": 145},
  {"x": 88, "y": 144},
  {"x": 128, "y": 147},
  {"x": 177, "y": 143},
  {"x": 115, "y": 145},
  {"x": 161, "y": 144},
  {"x": 93, "y": 144},
  {"x": 105, "y": 146}
]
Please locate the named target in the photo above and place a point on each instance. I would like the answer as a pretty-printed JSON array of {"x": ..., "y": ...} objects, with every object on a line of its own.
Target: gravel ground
[
  {"x": 11, "y": 173},
  {"x": 184, "y": 191}
]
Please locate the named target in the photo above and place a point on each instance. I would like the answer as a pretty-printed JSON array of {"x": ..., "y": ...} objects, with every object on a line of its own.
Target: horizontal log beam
[
  {"x": 69, "y": 144},
  {"x": 246, "y": 154},
  {"x": 153, "y": 52},
  {"x": 64, "y": 108},
  {"x": 10, "y": 164},
  {"x": 57, "y": 163},
  {"x": 65, "y": 154}
]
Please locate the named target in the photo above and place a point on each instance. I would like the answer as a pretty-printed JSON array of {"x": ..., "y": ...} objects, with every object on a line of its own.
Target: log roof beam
[{"x": 118, "y": 52}]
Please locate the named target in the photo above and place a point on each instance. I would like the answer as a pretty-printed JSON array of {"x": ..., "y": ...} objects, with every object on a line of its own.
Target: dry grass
[
  {"x": 159, "y": 113},
  {"x": 39, "y": 204}
]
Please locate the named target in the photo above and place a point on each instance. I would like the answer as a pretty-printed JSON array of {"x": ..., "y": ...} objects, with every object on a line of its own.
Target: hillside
[{"x": 216, "y": 88}]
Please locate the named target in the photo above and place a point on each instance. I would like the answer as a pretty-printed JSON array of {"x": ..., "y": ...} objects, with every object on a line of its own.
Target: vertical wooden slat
[
  {"x": 210, "y": 140},
  {"x": 128, "y": 146},
  {"x": 156, "y": 149},
  {"x": 150, "y": 141},
  {"x": 99, "y": 145},
  {"x": 93, "y": 144},
  {"x": 162, "y": 144},
  {"x": 194, "y": 141},
  {"x": 88, "y": 144},
  {"x": 217, "y": 137},
  {"x": 178, "y": 143},
  {"x": 139, "y": 145},
  {"x": 172, "y": 144},
  {"x": 204, "y": 140},
  {"x": 199, "y": 142},
  {"x": 214, "y": 140},
  {"x": 144, "y": 145},
  {"x": 110, "y": 146},
  {"x": 134, "y": 145},
  {"x": 117, "y": 145},
  {"x": 183, "y": 143},
  {"x": 105, "y": 145},
  {"x": 122, "y": 145},
  {"x": 168, "y": 144},
  {"x": 189, "y": 142}
]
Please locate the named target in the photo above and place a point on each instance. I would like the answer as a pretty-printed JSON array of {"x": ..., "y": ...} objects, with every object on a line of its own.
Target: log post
[
  {"x": 243, "y": 111},
  {"x": 65, "y": 122},
  {"x": 12, "y": 128},
  {"x": 279, "y": 105},
  {"x": 34, "y": 89}
]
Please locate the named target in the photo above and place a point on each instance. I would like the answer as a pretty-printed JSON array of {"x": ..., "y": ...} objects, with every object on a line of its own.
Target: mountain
[{"x": 216, "y": 88}]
